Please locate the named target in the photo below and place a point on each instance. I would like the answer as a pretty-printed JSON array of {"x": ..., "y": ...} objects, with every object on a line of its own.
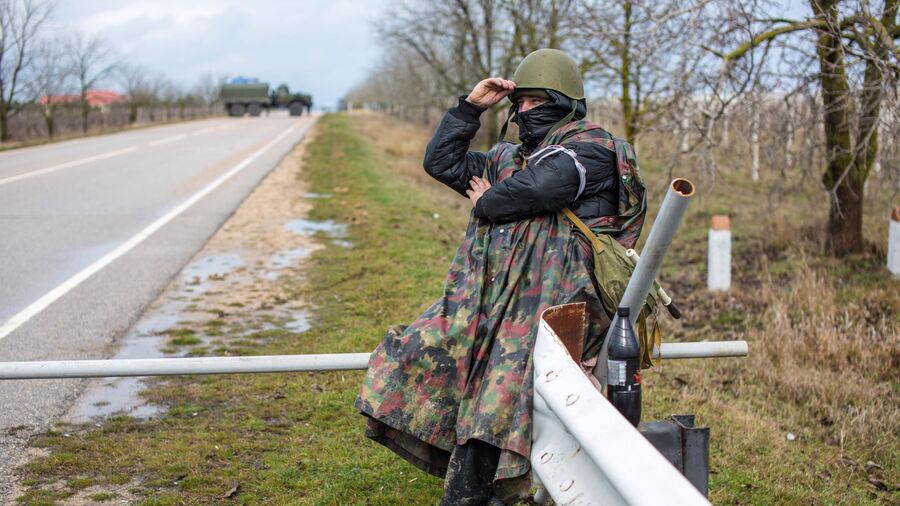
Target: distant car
[{"x": 248, "y": 96}]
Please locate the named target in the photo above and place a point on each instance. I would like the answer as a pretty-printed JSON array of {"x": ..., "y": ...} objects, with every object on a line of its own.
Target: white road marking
[
  {"x": 67, "y": 165},
  {"x": 53, "y": 295},
  {"x": 204, "y": 130},
  {"x": 104, "y": 156},
  {"x": 168, "y": 140},
  {"x": 213, "y": 128}
]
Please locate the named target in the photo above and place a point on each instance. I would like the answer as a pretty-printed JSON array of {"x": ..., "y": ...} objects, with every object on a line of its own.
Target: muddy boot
[{"x": 470, "y": 475}]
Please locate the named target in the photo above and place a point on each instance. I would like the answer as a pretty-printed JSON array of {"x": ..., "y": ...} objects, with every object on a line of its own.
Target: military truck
[
  {"x": 249, "y": 96},
  {"x": 282, "y": 98}
]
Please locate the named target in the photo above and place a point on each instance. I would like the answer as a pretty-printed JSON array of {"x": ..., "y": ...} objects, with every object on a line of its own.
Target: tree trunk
[
  {"x": 726, "y": 138},
  {"x": 492, "y": 125},
  {"x": 685, "y": 129},
  {"x": 845, "y": 218},
  {"x": 85, "y": 110},
  {"x": 4, "y": 123},
  {"x": 842, "y": 178},
  {"x": 789, "y": 136},
  {"x": 49, "y": 122},
  {"x": 754, "y": 143},
  {"x": 876, "y": 167},
  {"x": 629, "y": 114}
]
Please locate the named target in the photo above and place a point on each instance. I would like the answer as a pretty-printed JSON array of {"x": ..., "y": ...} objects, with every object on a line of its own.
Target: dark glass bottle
[{"x": 623, "y": 380}]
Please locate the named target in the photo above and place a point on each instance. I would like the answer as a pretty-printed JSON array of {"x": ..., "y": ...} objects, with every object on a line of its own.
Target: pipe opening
[
  {"x": 567, "y": 322},
  {"x": 683, "y": 187}
]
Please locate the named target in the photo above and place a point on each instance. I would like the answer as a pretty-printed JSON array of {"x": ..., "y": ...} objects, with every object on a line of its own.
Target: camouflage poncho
[{"x": 463, "y": 369}]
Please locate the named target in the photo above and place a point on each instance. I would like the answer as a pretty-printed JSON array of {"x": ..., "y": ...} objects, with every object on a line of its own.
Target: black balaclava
[{"x": 535, "y": 124}]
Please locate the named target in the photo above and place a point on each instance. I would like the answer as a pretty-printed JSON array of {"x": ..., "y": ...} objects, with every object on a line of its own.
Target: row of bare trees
[
  {"x": 823, "y": 88},
  {"x": 46, "y": 78}
]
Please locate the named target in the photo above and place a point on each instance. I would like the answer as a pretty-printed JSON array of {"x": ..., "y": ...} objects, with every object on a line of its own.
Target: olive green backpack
[{"x": 612, "y": 269}]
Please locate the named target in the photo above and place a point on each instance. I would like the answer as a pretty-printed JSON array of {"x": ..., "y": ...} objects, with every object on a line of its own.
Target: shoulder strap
[{"x": 598, "y": 246}]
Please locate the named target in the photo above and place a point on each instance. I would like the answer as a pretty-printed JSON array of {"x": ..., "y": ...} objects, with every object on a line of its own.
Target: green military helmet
[{"x": 548, "y": 69}]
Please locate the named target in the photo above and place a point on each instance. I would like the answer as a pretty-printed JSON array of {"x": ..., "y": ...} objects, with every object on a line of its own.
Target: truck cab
[{"x": 249, "y": 96}]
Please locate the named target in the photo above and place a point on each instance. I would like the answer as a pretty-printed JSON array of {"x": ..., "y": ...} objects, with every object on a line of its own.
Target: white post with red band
[
  {"x": 893, "y": 256},
  {"x": 718, "y": 273}
]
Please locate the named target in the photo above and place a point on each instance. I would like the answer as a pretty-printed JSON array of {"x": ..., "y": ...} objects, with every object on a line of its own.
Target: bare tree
[
  {"x": 858, "y": 61},
  {"x": 137, "y": 83},
  {"x": 20, "y": 23},
  {"x": 473, "y": 39},
  {"x": 208, "y": 87},
  {"x": 92, "y": 61},
  {"x": 50, "y": 79},
  {"x": 644, "y": 52}
]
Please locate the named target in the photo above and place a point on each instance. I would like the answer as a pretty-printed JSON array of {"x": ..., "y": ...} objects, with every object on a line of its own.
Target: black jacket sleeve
[
  {"x": 540, "y": 188},
  {"x": 447, "y": 157},
  {"x": 553, "y": 184}
]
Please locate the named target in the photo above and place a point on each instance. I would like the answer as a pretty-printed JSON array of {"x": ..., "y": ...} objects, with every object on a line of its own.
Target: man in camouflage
[{"x": 452, "y": 392}]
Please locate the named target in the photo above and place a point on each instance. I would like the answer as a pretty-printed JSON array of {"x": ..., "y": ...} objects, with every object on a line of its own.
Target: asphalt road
[{"x": 92, "y": 230}]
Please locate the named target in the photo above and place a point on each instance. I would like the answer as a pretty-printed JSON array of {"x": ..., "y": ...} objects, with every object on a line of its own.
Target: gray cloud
[{"x": 321, "y": 47}]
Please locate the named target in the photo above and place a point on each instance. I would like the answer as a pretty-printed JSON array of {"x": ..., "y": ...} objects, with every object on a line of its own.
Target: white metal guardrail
[{"x": 583, "y": 450}]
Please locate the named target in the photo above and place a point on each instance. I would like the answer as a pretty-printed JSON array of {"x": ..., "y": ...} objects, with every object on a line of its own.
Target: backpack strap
[{"x": 597, "y": 245}]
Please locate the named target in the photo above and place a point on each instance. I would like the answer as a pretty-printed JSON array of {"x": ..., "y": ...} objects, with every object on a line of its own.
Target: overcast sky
[
  {"x": 316, "y": 46},
  {"x": 323, "y": 47}
]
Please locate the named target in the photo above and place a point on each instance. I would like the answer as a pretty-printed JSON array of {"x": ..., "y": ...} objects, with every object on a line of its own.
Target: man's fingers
[{"x": 498, "y": 82}]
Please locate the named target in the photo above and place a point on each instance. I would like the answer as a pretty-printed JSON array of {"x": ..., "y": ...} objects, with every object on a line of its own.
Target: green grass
[
  {"x": 295, "y": 439},
  {"x": 102, "y": 497}
]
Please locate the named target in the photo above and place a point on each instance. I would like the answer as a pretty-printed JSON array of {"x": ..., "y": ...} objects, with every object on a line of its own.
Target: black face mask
[{"x": 535, "y": 124}]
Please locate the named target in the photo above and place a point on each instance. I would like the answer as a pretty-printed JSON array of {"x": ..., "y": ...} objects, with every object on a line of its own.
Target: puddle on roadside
[
  {"x": 312, "y": 195},
  {"x": 147, "y": 338},
  {"x": 337, "y": 232},
  {"x": 283, "y": 259},
  {"x": 109, "y": 396},
  {"x": 196, "y": 277},
  {"x": 299, "y": 322},
  {"x": 179, "y": 310}
]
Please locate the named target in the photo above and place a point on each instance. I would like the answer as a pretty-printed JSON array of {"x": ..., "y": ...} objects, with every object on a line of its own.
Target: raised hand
[{"x": 490, "y": 91}]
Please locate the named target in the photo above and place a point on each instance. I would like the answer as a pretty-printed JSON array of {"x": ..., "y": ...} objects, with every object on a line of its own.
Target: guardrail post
[
  {"x": 718, "y": 274},
  {"x": 893, "y": 256}
]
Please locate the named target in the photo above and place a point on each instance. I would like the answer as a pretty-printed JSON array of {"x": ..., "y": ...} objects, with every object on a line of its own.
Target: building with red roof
[{"x": 95, "y": 98}]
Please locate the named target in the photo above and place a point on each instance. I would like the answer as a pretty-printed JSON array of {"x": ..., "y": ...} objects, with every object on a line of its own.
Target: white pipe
[
  {"x": 664, "y": 227},
  {"x": 272, "y": 363},
  {"x": 182, "y": 366},
  {"x": 663, "y": 296},
  {"x": 646, "y": 271},
  {"x": 703, "y": 349},
  {"x": 617, "y": 460}
]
